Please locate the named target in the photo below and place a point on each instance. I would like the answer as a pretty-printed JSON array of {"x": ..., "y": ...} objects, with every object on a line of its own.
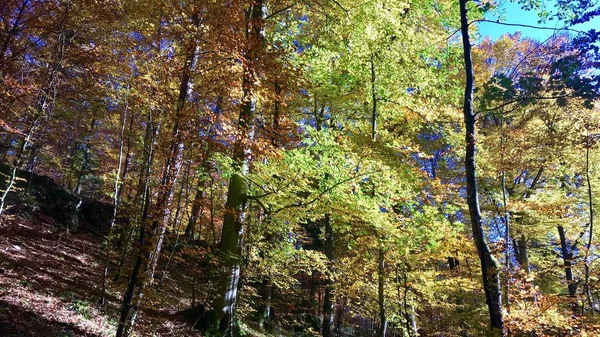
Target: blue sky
[{"x": 510, "y": 12}]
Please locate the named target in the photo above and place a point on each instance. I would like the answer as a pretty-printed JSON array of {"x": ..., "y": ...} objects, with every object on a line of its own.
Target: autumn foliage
[{"x": 303, "y": 167}]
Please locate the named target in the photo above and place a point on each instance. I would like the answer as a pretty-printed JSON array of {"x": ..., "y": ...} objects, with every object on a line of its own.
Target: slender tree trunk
[
  {"x": 520, "y": 246},
  {"x": 172, "y": 166},
  {"x": 409, "y": 315},
  {"x": 266, "y": 287},
  {"x": 506, "y": 220},
  {"x": 143, "y": 188},
  {"x": 151, "y": 238},
  {"x": 490, "y": 268},
  {"x": 176, "y": 225},
  {"x": 567, "y": 256},
  {"x": 522, "y": 252},
  {"x": 374, "y": 101},
  {"x": 31, "y": 169},
  {"x": 314, "y": 307},
  {"x": 588, "y": 292},
  {"x": 124, "y": 328},
  {"x": 17, "y": 161},
  {"x": 124, "y": 251},
  {"x": 42, "y": 107},
  {"x": 196, "y": 207},
  {"x": 213, "y": 225},
  {"x": 328, "y": 318},
  {"x": 276, "y": 115},
  {"x": 381, "y": 293},
  {"x": 165, "y": 201},
  {"x": 107, "y": 239},
  {"x": 339, "y": 321},
  {"x": 85, "y": 164},
  {"x": 180, "y": 197},
  {"x": 264, "y": 312}
]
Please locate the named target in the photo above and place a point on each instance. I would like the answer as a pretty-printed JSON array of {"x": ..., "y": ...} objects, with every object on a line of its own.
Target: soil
[{"x": 50, "y": 282}]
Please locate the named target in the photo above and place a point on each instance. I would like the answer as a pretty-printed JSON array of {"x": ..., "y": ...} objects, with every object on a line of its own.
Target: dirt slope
[{"x": 49, "y": 284}]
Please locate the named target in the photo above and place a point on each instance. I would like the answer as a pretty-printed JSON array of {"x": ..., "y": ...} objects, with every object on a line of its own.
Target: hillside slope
[{"x": 50, "y": 281}]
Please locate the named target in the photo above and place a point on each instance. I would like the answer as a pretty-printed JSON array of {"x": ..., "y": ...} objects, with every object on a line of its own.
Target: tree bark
[
  {"x": 235, "y": 208},
  {"x": 567, "y": 256},
  {"x": 490, "y": 267},
  {"x": 374, "y": 100},
  {"x": 264, "y": 312},
  {"x": 588, "y": 292},
  {"x": 328, "y": 318},
  {"x": 381, "y": 293},
  {"x": 409, "y": 315},
  {"x": 196, "y": 207},
  {"x": 522, "y": 252}
]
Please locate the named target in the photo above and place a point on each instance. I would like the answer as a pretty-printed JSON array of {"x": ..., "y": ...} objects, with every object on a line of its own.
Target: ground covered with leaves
[{"x": 50, "y": 283}]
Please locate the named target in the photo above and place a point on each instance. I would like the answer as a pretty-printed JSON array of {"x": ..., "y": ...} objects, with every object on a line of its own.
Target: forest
[{"x": 334, "y": 168}]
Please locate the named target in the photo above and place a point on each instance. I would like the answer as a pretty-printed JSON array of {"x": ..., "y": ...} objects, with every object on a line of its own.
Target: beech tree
[{"x": 317, "y": 168}]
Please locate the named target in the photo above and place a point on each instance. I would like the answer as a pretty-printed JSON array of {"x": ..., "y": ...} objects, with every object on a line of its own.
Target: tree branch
[
  {"x": 522, "y": 99},
  {"x": 330, "y": 188},
  {"x": 526, "y": 26},
  {"x": 279, "y": 11}
]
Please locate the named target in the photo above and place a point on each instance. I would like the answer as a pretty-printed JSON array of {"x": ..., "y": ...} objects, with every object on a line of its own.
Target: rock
[{"x": 43, "y": 195}]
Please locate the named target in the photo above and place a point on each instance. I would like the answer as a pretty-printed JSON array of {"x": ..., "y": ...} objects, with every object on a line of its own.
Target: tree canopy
[{"x": 311, "y": 167}]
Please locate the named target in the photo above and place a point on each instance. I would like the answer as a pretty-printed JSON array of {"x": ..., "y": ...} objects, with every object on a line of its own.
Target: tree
[{"x": 490, "y": 268}]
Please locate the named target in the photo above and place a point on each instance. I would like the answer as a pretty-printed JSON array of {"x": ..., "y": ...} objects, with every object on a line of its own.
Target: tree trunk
[
  {"x": 374, "y": 100},
  {"x": 123, "y": 328},
  {"x": 453, "y": 263},
  {"x": 106, "y": 242},
  {"x": 264, "y": 312},
  {"x": 235, "y": 207},
  {"x": 490, "y": 268},
  {"x": 328, "y": 300},
  {"x": 520, "y": 246},
  {"x": 266, "y": 287},
  {"x": 17, "y": 161},
  {"x": 176, "y": 224},
  {"x": 567, "y": 256},
  {"x": 143, "y": 188},
  {"x": 314, "y": 307},
  {"x": 506, "y": 218},
  {"x": 196, "y": 206},
  {"x": 522, "y": 252},
  {"x": 151, "y": 238},
  {"x": 381, "y": 293},
  {"x": 85, "y": 164},
  {"x": 588, "y": 292},
  {"x": 41, "y": 107}
]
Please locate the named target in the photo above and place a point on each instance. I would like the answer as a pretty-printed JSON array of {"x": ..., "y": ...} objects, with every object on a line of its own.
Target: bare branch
[{"x": 527, "y": 26}]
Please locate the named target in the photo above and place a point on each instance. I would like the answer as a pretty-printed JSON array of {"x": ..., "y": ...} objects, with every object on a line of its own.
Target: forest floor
[{"x": 50, "y": 282}]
